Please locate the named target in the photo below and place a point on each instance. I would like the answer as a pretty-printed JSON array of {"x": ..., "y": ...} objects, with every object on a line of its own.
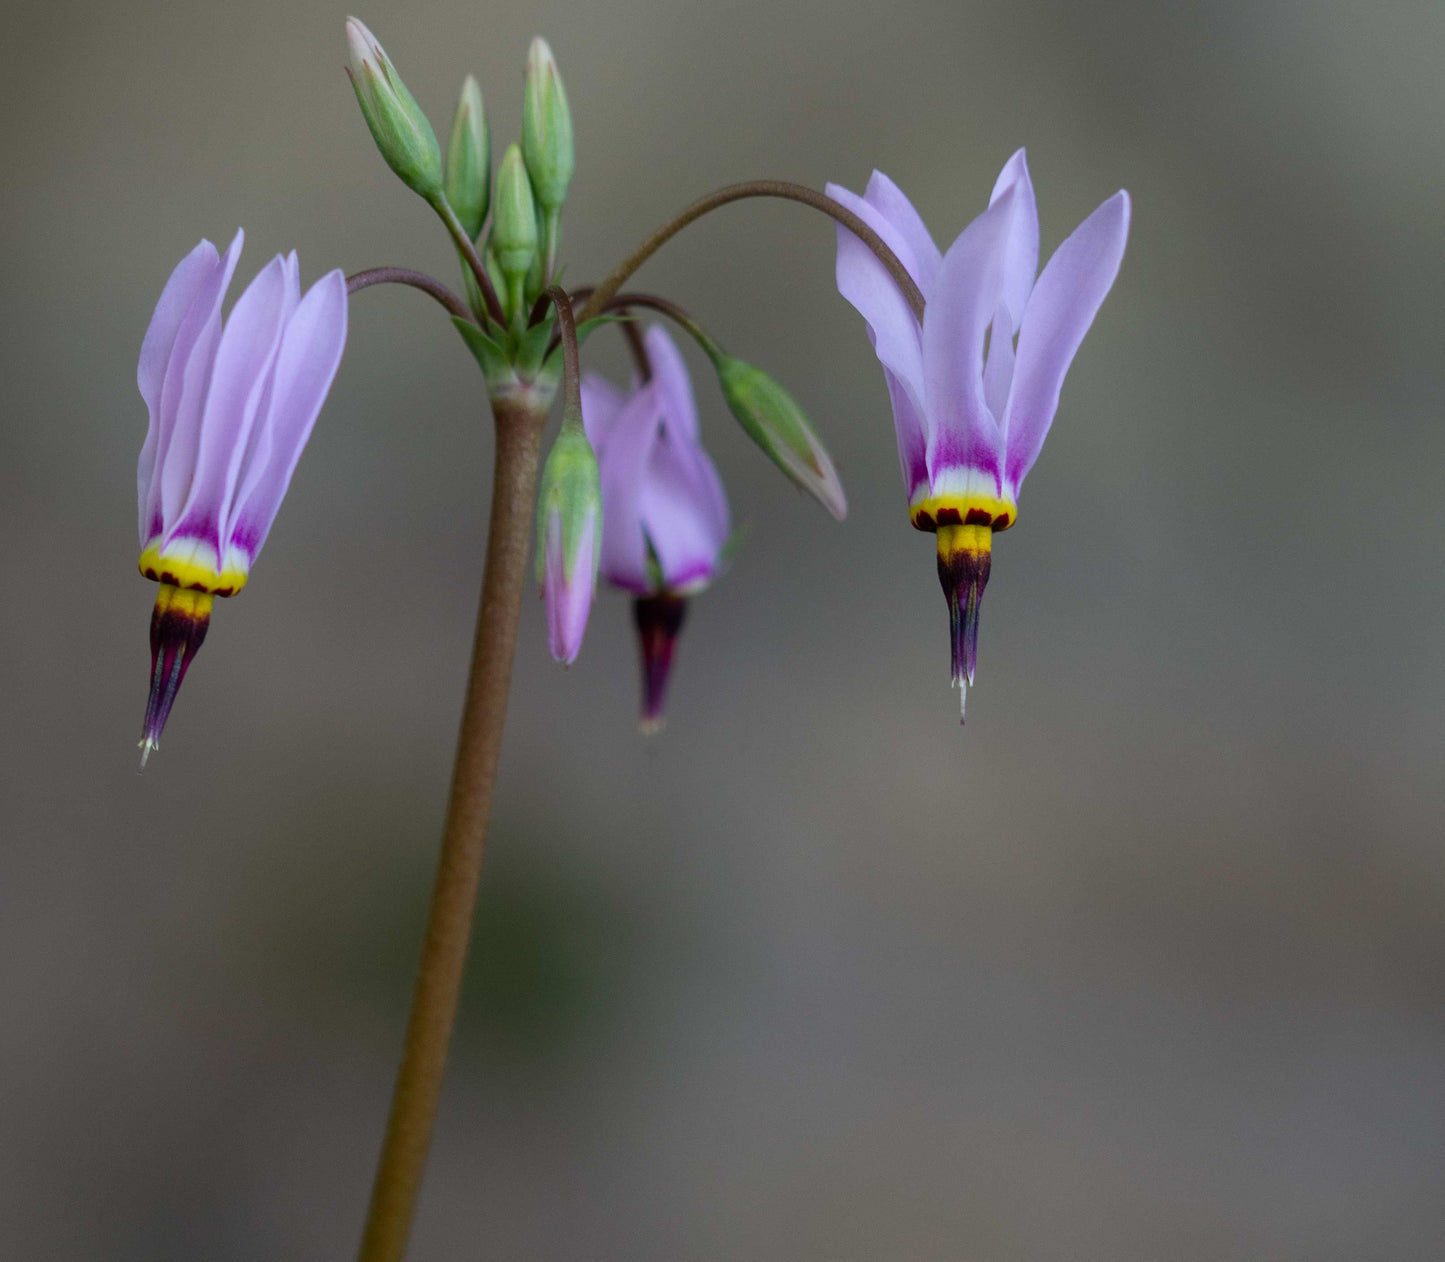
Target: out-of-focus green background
[{"x": 1146, "y": 962}]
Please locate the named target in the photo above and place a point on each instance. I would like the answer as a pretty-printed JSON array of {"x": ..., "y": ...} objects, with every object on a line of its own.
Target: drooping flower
[
  {"x": 665, "y": 521},
  {"x": 974, "y": 387},
  {"x": 231, "y": 407}
]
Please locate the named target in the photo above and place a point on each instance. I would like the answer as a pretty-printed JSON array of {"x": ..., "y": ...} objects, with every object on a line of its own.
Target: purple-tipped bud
[
  {"x": 178, "y": 626},
  {"x": 659, "y": 620},
  {"x": 569, "y": 538},
  {"x": 964, "y": 555}
]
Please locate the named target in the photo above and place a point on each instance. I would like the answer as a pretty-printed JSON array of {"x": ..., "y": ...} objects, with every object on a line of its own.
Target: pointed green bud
[
  {"x": 397, "y": 124},
  {"x": 546, "y": 129},
  {"x": 514, "y": 223},
  {"x": 469, "y": 160},
  {"x": 773, "y": 420},
  {"x": 569, "y": 538}
]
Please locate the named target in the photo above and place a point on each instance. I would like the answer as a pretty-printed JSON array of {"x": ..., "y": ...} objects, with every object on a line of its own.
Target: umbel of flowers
[{"x": 974, "y": 347}]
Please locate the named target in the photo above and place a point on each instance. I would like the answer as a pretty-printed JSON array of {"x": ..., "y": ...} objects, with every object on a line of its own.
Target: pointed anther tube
[
  {"x": 964, "y": 556},
  {"x": 659, "y": 621},
  {"x": 179, "y": 624}
]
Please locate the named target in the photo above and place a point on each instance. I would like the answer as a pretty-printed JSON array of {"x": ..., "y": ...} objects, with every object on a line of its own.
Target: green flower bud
[
  {"x": 546, "y": 129},
  {"x": 514, "y": 221},
  {"x": 773, "y": 420},
  {"x": 569, "y": 538},
  {"x": 397, "y": 124},
  {"x": 469, "y": 160}
]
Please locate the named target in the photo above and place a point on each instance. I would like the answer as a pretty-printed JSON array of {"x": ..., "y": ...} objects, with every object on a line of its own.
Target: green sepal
[{"x": 494, "y": 359}]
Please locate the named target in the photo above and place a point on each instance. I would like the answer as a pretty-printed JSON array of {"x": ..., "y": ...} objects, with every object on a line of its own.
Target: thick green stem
[
  {"x": 449, "y": 922},
  {"x": 736, "y": 192}
]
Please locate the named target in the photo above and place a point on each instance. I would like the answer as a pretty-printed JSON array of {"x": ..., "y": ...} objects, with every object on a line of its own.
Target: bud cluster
[{"x": 518, "y": 256}]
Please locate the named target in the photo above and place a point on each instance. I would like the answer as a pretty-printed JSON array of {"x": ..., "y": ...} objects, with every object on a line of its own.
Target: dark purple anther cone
[
  {"x": 178, "y": 626},
  {"x": 659, "y": 619},
  {"x": 963, "y": 574}
]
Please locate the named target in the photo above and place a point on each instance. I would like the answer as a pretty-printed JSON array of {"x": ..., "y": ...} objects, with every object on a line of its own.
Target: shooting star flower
[
  {"x": 974, "y": 387},
  {"x": 664, "y": 513},
  {"x": 231, "y": 407}
]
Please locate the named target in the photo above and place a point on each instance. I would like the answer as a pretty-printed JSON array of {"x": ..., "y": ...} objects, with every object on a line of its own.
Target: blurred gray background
[{"x": 1146, "y": 962}]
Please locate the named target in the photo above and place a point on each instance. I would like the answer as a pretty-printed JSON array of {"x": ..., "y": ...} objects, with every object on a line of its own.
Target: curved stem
[
  {"x": 474, "y": 261},
  {"x": 449, "y": 921},
  {"x": 571, "y": 358},
  {"x": 417, "y": 280},
  {"x": 665, "y": 306},
  {"x": 737, "y": 192}
]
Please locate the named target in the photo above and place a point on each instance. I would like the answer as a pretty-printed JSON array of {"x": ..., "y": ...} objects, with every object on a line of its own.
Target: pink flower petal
[
  {"x": 1021, "y": 250},
  {"x": 185, "y": 283},
  {"x": 1063, "y": 305},
  {"x": 911, "y": 240},
  {"x": 865, "y": 282},
  {"x": 183, "y": 390},
  {"x": 306, "y": 364},
  {"x": 970, "y": 287}
]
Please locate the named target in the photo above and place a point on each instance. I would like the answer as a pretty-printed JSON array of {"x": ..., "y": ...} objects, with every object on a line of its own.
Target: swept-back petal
[
  {"x": 306, "y": 364},
  {"x": 911, "y": 435},
  {"x": 962, "y": 431},
  {"x": 998, "y": 368},
  {"x": 684, "y": 510},
  {"x": 671, "y": 380},
  {"x": 624, "y": 547},
  {"x": 865, "y": 282},
  {"x": 920, "y": 255},
  {"x": 1062, "y": 307},
  {"x": 601, "y": 403},
  {"x": 240, "y": 379},
  {"x": 1021, "y": 249},
  {"x": 183, "y": 395},
  {"x": 185, "y": 283}
]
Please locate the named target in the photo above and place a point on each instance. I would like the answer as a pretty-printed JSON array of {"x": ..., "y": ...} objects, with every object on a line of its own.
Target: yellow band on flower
[
  {"x": 192, "y": 573},
  {"x": 956, "y": 541},
  {"x": 184, "y": 602},
  {"x": 938, "y": 512}
]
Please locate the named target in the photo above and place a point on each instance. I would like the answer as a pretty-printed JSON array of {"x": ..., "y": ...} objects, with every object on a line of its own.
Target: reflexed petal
[
  {"x": 671, "y": 381},
  {"x": 919, "y": 254},
  {"x": 970, "y": 286},
  {"x": 912, "y": 437},
  {"x": 624, "y": 547},
  {"x": 865, "y": 282},
  {"x": 684, "y": 511},
  {"x": 239, "y": 380},
  {"x": 601, "y": 403},
  {"x": 185, "y": 282},
  {"x": 1021, "y": 252},
  {"x": 1062, "y": 307},
  {"x": 998, "y": 370},
  {"x": 183, "y": 395},
  {"x": 306, "y": 364}
]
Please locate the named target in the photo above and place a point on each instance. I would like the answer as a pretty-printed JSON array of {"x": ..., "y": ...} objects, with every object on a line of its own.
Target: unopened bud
[
  {"x": 397, "y": 124},
  {"x": 773, "y": 420},
  {"x": 546, "y": 128},
  {"x": 469, "y": 160},
  {"x": 569, "y": 539},
  {"x": 514, "y": 220}
]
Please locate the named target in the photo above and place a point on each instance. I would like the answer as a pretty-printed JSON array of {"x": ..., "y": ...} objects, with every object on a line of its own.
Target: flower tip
[{"x": 146, "y": 747}]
